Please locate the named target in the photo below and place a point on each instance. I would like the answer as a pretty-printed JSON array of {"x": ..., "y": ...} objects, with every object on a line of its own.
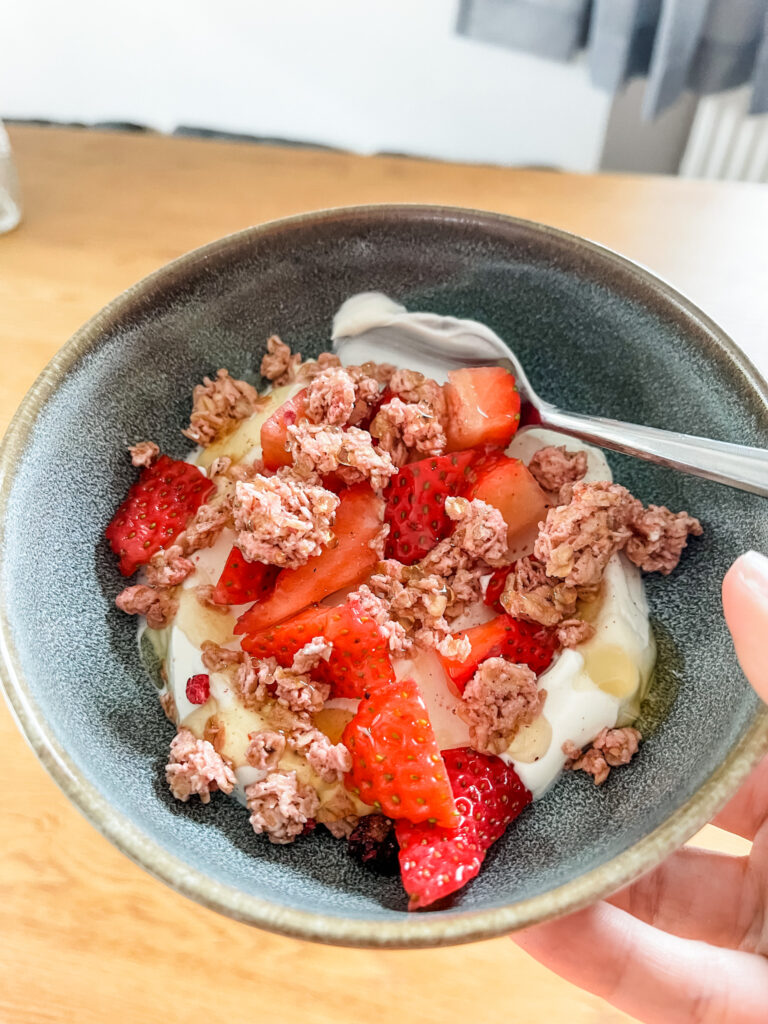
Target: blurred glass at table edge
[{"x": 10, "y": 197}]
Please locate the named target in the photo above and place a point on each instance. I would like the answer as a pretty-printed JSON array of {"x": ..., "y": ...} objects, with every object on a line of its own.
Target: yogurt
[{"x": 596, "y": 685}]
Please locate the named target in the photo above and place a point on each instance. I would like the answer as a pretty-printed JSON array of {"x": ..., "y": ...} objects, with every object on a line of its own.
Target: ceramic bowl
[{"x": 596, "y": 334}]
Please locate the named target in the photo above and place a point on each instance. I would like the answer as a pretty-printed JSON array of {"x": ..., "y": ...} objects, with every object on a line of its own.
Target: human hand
[{"x": 689, "y": 941}]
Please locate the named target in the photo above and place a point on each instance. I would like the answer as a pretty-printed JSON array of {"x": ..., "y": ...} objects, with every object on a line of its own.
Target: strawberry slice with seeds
[
  {"x": 396, "y": 763},
  {"x": 435, "y": 861},
  {"x": 415, "y": 504},
  {"x": 242, "y": 581},
  {"x": 526, "y": 643},
  {"x": 158, "y": 507},
  {"x": 359, "y": 662}
]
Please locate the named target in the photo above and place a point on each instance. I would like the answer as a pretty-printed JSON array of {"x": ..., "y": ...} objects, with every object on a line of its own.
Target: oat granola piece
[
  {"x": 609, "y": 749},
  {"x": 480, "y": 530},
  {"x": 576, "y": 540},
  {"x": 299, "y": 693},
  {"x": 217, "y": 659},
  {"x": 280, "y": 806},
  {"x": 265, "y": 749},
  {"x": 499, "y": 700},
  {"x": 309, "y": 370},
  {"x": 168, "y": 704},
  {"x": 554, "y": 467},
  {"x": 331, "y": 397},
  {"x": 219, "y": 467},
  {"x": 342, "y": 828},
  {"x": 167, "y": 570},
  {"x": 144, "y": 453},
  {"x": 277, "y": 364},
  {"x": 331, "y": 761},
  {"x": 158, "y": 605},
  {"x": 407, "y": 429},
  {"x": 195, "y": 768},
  {"x": 320, "y": 450},
  {"x": 339, "y": 396},
  {"x": 218, "y": 405},
  {"x": 413, "y": 387},
  {"x": 282, "y": 519},
  {"x": 573, "y": 632},
  {"x": 531, "y": 595},
  {"x": 658, "y": 538}
]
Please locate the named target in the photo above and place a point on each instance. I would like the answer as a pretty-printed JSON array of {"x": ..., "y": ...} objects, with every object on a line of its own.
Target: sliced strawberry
[
  {"x": 483, "y": 407},
  {"x": 415, "y": 504},
  {"x": 495, "y": 588},
  {"x": 396, "y": 763},
  {"x": 158, "y": 507},
  {"x": 347, "y": 560},
  {"x": 359, "y": 661},
  {"x": 274, "y": 432},
  {"x": 525, "y": 643},
  {"x": 242, "y": 581},
  {"x": 198, "y": 688},
  {"x": 507, "y": 485},
  {"x": 434, "y": 861}
]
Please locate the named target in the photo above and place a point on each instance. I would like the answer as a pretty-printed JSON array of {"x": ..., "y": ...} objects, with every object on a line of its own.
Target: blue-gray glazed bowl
[{"x": 596, "y": 334}]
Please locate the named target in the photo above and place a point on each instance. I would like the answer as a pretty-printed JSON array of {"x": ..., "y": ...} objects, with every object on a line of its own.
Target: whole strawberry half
[
  {"x": 158, "y": 507},
  {"x": 396, "y": 763},
  {"x": 359, "y": 661},
  {"x": 526, "y": 643},
  {"x": 242, "y": 581},
  {"x": 415, "y": 504},
  {"x": 435, "y": 861}
]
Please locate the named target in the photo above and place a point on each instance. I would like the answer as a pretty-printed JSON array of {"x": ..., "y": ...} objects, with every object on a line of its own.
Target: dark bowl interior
[{"x": 595, "y": 334}]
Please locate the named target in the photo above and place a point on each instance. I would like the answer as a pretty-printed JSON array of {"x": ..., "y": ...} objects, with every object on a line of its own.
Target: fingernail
[{"x": 753, "y": 569}]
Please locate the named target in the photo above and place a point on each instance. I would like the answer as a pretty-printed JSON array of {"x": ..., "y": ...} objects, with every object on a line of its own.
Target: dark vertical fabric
[{"x": 703, "y": 45}]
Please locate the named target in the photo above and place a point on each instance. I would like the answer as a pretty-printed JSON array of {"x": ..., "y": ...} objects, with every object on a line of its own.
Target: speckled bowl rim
[{"x": 412, "y": 930}]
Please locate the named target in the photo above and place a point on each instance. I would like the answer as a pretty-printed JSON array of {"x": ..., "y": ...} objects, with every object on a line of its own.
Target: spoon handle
[{"x": 733, "y": 464}]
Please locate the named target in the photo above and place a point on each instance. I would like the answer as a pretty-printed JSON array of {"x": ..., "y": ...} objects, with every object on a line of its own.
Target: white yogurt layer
[{"x": 596, "y": 685}]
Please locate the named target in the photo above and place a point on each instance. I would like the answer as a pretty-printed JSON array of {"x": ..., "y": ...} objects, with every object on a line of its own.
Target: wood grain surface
[{"x": 87, "y": 937}]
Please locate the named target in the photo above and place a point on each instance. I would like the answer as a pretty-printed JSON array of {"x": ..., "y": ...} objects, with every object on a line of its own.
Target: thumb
[{"x": 745, "y": 603}]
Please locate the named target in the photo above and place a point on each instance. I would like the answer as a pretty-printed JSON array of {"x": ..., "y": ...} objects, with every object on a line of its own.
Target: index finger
[{"x": 745, "y": 604}]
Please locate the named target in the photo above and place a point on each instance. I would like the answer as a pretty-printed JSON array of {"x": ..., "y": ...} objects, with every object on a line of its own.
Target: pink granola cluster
[
  {"x": 318, "y": 449},
  {"x": 408, "y": 430},
  {"x": 576, "y": 542},
  {"x": 280, "y": 806},
  {"x": 609, "y": 749},
  {"x": 196, "y": 769},
  {"x": 339, "y": 397},
  {"x": 282, "y": 519},
  {"x": 555, "y": 470},
  {"x": 218, "y": 405},
  {"x": 498, "y": 701}
]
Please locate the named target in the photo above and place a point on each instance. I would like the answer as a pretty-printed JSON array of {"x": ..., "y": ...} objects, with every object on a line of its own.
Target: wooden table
[{"x": 87, "y": 937}]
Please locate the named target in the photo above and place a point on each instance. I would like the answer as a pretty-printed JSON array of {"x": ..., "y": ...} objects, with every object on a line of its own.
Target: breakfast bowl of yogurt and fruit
[{"x": 327, "y": 636}]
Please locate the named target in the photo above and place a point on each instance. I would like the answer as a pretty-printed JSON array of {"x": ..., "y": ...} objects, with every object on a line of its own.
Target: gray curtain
[{"x": 703, "y": 45}]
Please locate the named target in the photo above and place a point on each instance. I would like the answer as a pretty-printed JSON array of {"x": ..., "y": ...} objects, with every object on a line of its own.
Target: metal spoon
[{"x": 372, "y": 322}]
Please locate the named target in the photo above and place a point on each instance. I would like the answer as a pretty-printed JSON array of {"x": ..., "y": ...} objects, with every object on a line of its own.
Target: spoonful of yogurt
[{"x": 371, "y": 326}]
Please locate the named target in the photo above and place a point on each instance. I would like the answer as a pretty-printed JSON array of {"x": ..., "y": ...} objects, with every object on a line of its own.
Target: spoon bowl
[{"x": 445, "y": 342}]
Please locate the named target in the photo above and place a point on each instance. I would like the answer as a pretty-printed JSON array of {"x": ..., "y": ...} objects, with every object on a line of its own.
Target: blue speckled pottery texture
[{"x": 595, "y": 334}]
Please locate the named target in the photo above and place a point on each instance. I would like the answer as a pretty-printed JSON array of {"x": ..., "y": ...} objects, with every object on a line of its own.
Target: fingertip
[{"x": 745, "y": 605}]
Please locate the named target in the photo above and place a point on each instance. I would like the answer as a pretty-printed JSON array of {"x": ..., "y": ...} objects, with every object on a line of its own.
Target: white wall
[{"x": 366, "y": 75}]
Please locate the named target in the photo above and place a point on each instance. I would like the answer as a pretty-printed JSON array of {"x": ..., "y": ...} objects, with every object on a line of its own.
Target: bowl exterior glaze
[{"x": 596, "y": 334}]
